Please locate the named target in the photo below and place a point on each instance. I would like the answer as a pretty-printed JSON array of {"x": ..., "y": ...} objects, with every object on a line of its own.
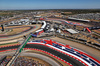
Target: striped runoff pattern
[
  {"x": 77, "y": 54},
  {"x": 73, "y": 52}
]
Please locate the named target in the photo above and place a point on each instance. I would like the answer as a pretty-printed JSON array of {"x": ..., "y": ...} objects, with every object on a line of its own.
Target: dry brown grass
[
  {"x": 79, "y": 27},
  {"x": 17, "y": 30}
]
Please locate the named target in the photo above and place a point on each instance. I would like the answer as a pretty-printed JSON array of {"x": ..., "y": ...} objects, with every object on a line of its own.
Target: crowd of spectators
[
  {"x": 23, "y": 61},
  {"x": 91, "y": 16}
]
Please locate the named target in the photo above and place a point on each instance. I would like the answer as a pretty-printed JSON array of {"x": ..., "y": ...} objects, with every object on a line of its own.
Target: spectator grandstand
[
  {"x": 90, "y": 16},
  {"x": 23, "y": 61}
]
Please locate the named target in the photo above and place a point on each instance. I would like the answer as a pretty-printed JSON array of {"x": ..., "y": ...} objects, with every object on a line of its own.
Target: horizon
[
  {"x": 48, "y": 4},
  {"x": 53, "y": 9}
]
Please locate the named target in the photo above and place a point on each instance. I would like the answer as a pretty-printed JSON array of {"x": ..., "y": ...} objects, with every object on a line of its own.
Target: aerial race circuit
[{"x": 63, "y": 52}]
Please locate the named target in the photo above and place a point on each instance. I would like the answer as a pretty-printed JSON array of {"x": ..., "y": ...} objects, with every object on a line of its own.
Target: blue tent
[{"x": 34, "y": 35}]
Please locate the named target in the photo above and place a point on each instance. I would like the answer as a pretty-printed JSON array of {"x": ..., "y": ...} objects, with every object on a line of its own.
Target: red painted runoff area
[{"x": 49, "y": 43}]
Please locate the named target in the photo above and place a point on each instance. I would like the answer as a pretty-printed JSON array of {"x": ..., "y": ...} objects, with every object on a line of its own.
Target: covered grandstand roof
[
  {"x": 71, "y": 31},
  {"x": 78, "y": 19}
]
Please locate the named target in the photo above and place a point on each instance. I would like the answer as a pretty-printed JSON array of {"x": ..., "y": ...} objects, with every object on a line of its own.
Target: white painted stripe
[
  {"x": 71, "y": 54},
  {"x": 36, "y": 42},
  {"x": 63, "y": 51}
]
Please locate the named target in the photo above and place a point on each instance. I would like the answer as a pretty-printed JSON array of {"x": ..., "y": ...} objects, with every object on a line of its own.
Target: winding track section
[
  {"x": 44, "y": 48},
  {"x": 31, "y": 27},
  {"x": 41, "y": 45}
]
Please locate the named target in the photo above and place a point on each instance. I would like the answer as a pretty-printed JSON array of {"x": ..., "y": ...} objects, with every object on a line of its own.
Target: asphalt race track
[
  {"x": 31, "y": 27},
  {"x": 56, "y": 53}
]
